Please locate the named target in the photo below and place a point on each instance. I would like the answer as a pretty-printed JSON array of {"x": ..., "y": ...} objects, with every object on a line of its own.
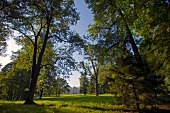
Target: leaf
[{"x": 156, "y": 52}]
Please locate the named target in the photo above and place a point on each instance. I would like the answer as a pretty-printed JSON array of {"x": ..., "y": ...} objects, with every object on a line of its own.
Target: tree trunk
[
  {"x": 97, "y": 88},
  {"x": 41, "y": 92},
  {"x": 36, "y": 67},
  {"x": 95, "y": 68},
  {"x": 133, "y": 44},
  {"x": 30, "y": 96},
  {"x": 136, "y": 97},
  {"x": 136, "y": 54},
  {"x": 34, "y": 76}
]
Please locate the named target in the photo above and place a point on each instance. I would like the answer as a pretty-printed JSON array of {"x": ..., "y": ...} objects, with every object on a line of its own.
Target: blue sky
[
  {"x": 86, "y": 18},
  {"x": 81, "y": 28}
]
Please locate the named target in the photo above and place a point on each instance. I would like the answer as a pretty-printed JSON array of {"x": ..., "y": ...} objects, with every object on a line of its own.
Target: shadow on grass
[
  {"x": 152, "y": 110},
  {"x": 20, "y": 108},
  {"x": 107, "y": 109},
  {"x": 165, "y": 99},
  {"x": 156, "y": 110}
]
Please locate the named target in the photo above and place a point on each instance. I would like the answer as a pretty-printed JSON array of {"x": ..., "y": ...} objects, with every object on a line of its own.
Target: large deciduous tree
[
  {"x": 48, "y": 20},
  {"x": 111, "y": 25},
  {"x": 117, "y": 27},
  {"x": 91, "y": 67}
]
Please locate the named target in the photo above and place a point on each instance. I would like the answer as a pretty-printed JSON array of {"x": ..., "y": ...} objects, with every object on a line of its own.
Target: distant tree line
[{"x": 15, "y": 84}]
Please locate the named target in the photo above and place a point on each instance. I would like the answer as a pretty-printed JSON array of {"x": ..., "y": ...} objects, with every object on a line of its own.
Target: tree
[
  {"x": 155, "y": 32},
  {"x": 49, "y": 71},
  {"x": 83, "y": 84},
  {"x": 114, "y": 21},
  {"x": 14, "y": 82},
  {"x": 61, "y": 86},
  {"x": 93, "y": 64},
  {"x": 105, "y": 78},
  {"x": 48, "y": 20},
  {"x": 45, "y": 82},
  {"x": 91, "y": 86},
  {"x": 114, "y": 29}
]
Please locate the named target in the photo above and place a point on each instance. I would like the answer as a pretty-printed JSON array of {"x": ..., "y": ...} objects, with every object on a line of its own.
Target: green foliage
[
  {"x": 83, "y": 84},
  {"x": 14, "y": 81},
  {"x": 91, "y": 86},
  {"x": 61, "y": 86},
  {"x": 19, "y": 71},
  {"x": 154, "y": 29},
  {"x": 135, "y": 78},
  {"x": 129, "y": 86},
  {"x": 5, "y": 31},
  {"x": 41, "y": 22}
]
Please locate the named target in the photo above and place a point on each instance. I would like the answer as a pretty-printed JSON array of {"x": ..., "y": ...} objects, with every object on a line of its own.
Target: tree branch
[
  {"x": 33, "y": 29},
  {"x": 58, "y": 38},
  {"x": 109, "y": 28},
  {"x": 163, "y": 62},
  {"x": 25, "y": 35},
  {"x": 112, "y": 46},
  {"x": 4, "y": 6},
  {"x": 42, "y": 26},
  {"x": 39, "y": 7}
]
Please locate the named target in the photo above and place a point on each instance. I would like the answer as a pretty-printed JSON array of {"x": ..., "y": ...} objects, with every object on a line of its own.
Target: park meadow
[{"x": 75, "y": 103}]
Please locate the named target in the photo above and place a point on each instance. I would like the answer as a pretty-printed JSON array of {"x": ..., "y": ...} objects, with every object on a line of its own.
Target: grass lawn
[{"x": 67, "y": 103}]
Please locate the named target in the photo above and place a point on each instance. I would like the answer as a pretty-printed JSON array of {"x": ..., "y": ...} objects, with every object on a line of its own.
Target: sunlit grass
[{"x": 67, "y": 103}]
